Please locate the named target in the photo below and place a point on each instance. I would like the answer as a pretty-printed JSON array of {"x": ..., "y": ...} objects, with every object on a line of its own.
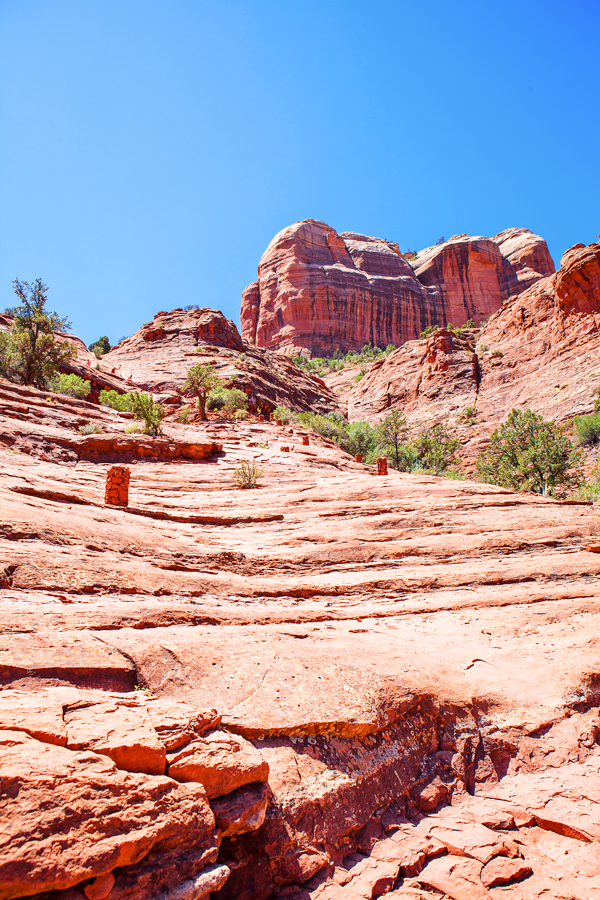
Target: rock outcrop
[
  {"x": 540, "y": 351},
  {"x": 157, "y": 357},
  {"x": 319, "y": 291},
  {"x": 347, "y": 684}
]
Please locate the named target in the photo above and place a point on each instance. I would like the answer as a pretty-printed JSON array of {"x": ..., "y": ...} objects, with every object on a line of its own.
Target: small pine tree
[
  {"x": 393, "y": 431},
  {"x": 528, "y": 454},
  {"x": 29, "y": 352},
  {"x": 200, "y": 381}
]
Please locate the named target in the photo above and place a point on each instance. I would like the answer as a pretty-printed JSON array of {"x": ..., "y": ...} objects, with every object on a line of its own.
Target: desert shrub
[
  {"x": 281, "y": 413},
  {"x": 528, "y": 454},
  {"x": 240, "y": 414},
  {"x": 144, "y": 407},
  {"x": 70, "y": 385},
  {"x": 470, "y": 323},
  {"x": 247, "y": 474},
  {"x": 120, "y": 402},
  {"x": 133, "y": 429},
  {"x": 90, "y": 428},
  {"x": 229, "y": 400},
  {"x": 587, "y": 429},
  {"x": 29, "y": 351},
  {"x": 468, "y": 415},
  {"x": 483, "y": 348},
  {"x": 427, "y": 331},
  {"x": 183, "y": 415},
  {"x": 497, "y": 353},
  {"x": 435, "y": 448},
  {"x": 328, "y": 426}
]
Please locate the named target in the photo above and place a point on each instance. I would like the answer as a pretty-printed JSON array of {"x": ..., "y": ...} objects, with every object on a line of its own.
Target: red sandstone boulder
[
  {"x": 66, "y": 816},
  {"x": 220, "y": 761}
]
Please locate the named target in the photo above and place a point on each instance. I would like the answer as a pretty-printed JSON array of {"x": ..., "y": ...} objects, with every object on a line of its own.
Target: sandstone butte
[
  {"x": 338, "y": 686},
  {"x": 319, "y": 291}
]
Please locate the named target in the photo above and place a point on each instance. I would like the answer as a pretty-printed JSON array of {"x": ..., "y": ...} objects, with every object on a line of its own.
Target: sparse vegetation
[
  {"x": 435, "y": 448},
  {"x": 337, "y": 361},
  {"x": 120, "y": 402},
  {"x": 229, "y": 401},
  {"x": 144, "y": 407},
  {"x": 528, "y": 454},
  {"x": 30, "y": 352},
  {"x": 71, "y": 386},
  {"x": 247, "y": 474},
  {"x": 100, "y": 347},
  {"x": 587, "y": 429},
  {"x": 133, "y": 429},
  {"x": 183, "y": 416},
  {"x": 90, "y": 428},
  {"x": 427, "y": 331},
  {"x": 200, "y": 381},
  {"x": 393, "y": 431}
]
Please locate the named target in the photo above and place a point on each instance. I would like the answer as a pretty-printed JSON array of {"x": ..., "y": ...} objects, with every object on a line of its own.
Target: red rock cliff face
[
  {"x": 318, "y": 291},
  {"x": 540, "y": 351}
]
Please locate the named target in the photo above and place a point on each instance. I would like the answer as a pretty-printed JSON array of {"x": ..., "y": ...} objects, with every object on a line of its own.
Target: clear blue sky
[{"x": 150, "y": 149}]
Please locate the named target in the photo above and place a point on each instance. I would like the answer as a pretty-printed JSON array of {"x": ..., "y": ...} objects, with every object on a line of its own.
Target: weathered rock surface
[
  {"x": 412, "y": 664},
  {"x": 319, "y": 291},
  {"x": 540, "y": 351},
  {"x": 157, "y": 358}
]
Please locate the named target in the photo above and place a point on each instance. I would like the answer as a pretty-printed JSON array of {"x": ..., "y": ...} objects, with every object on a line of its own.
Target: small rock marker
[
  {"x": 284, "y": 449},
  {"x": 358, "y": 458},
  {"x": 279, "y": 422},
  {"x": 117, "y": 486},
  {"x": 305, "y": 440},
  {"x": 382, "y": 465},
  {"x": 261, "y": 418}
]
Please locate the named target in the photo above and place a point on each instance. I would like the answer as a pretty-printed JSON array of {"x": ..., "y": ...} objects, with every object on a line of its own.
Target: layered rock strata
[
  {"x": 540, "y": 351},
  {"x": 351, "y": 684},
  {"x": 319, "y": 291}
]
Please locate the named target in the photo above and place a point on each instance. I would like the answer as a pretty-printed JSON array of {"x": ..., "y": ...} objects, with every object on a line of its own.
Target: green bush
[
  {"x": 587, "y": 429},
  {"x": 71, "y": 386},
  {"x": 133, "y": 429},
  {"x": 120, "y": 402},
  {"x": 392, "y": 433},
  {"x": 91, "y": 429},
  {"x": 144, "y": 407},
  {"x": 528, "y": 454},
  {"x": 230, "y": 400},
  {"x": 427, "y": 331}
]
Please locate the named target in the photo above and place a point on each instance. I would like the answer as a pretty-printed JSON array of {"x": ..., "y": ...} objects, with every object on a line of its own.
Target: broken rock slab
[{"x": 220, "y": 761}]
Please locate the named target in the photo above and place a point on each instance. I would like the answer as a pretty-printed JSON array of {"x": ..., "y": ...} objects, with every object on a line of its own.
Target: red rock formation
[
  {"x": 319, "y": 291},
  {"x": 540, "y": 351},
  {"x": 157, "y": 357}
]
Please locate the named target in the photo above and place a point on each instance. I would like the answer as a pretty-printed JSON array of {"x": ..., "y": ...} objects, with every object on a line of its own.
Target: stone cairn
[
  {"x": 117, "y": 486},
  {"x": 305, "y": 440},
  {"x": 382, "y": 465},
  {"x": 358, "y": 458}
]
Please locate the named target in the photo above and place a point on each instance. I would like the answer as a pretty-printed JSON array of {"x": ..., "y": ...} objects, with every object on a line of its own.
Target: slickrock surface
[
  {"x": 157, "y": 358},
  {"x": 540, "y": 351},
  {"x": 320, "y": 291},
  {"x": 348, "y": 684}
]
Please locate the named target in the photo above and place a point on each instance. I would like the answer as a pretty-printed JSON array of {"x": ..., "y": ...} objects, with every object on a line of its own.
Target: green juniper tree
[
  {"x": 528, "y": 454},
  {"x": 200, "y": 381},
  {"x": 30, "y": 352}
]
